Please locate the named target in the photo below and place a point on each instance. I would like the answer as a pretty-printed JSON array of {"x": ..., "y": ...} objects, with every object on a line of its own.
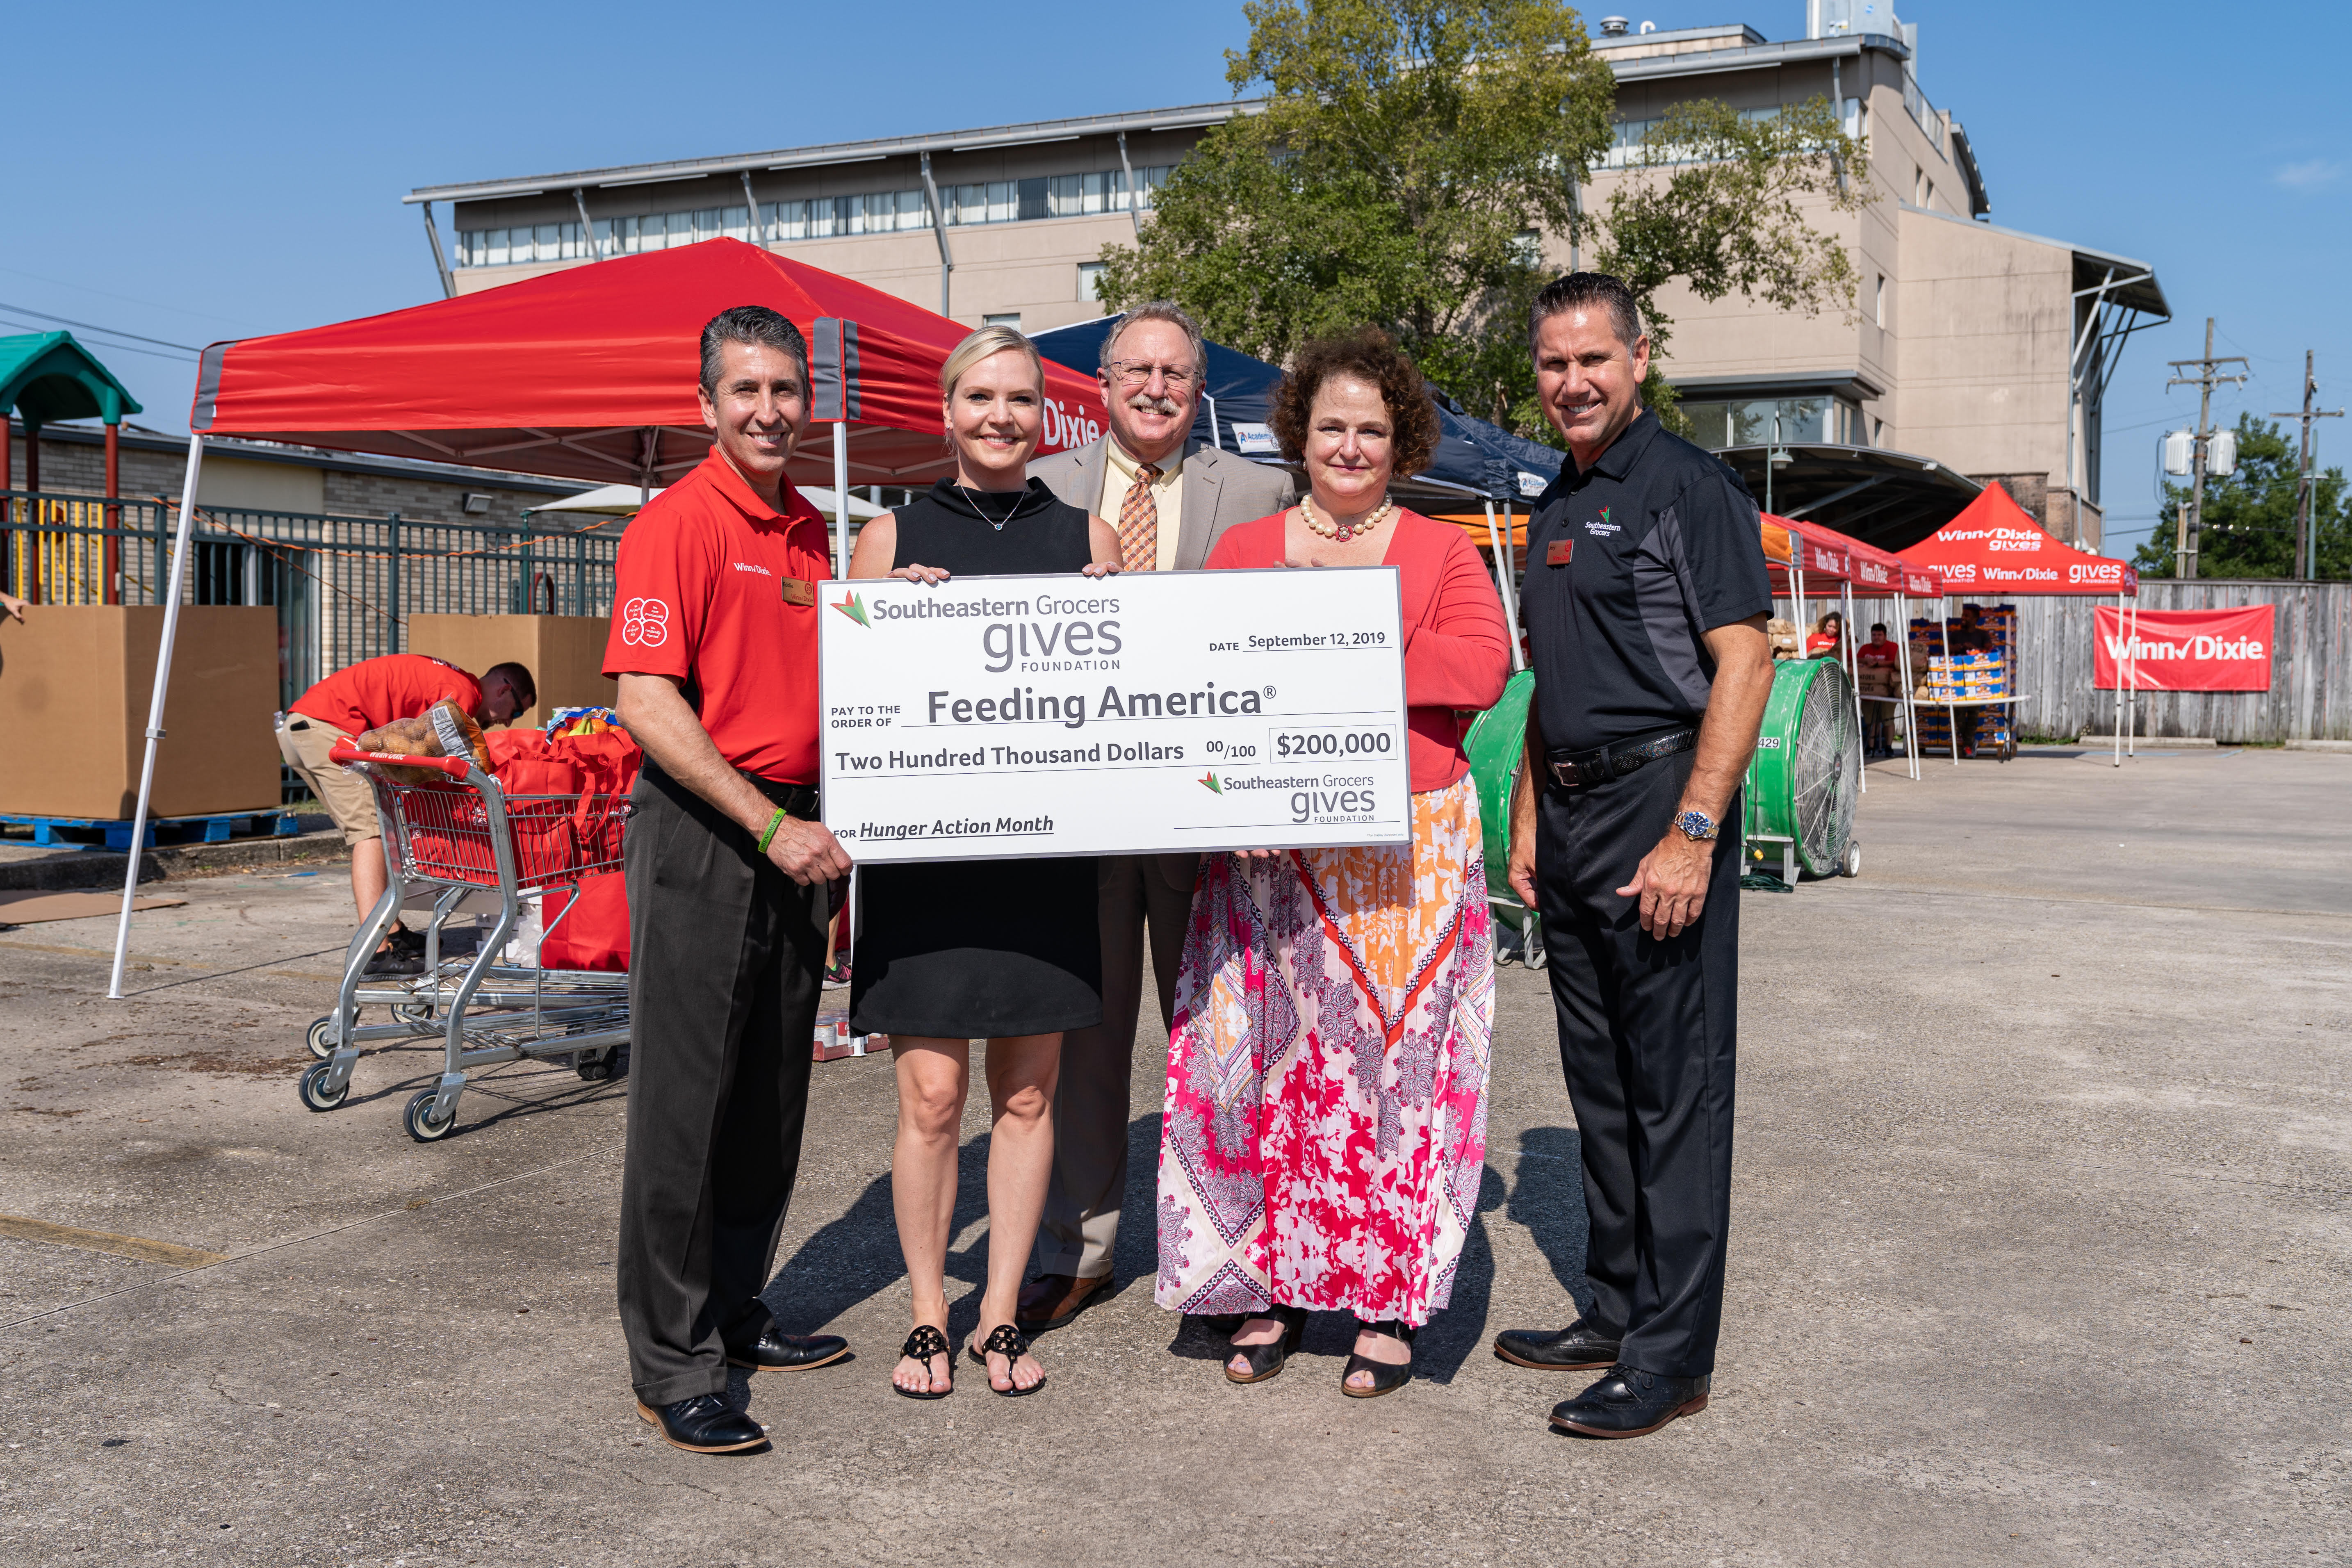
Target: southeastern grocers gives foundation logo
[
  {"x": 1211, "y": 784},
  {"x": 854, "y": 608}
]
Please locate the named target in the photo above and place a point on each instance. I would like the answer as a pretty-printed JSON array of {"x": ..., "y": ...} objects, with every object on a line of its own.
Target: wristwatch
[{"x": 1697, "y": 826}]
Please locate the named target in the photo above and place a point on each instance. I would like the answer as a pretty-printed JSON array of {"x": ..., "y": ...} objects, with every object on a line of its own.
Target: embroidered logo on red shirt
[{"x": 645, "y": 622}]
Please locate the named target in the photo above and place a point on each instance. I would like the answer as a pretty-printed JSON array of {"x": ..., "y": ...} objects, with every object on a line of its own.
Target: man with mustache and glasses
[{"x": 1171, "y": 499}]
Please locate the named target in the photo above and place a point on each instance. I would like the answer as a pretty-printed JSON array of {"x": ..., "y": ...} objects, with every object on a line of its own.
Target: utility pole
[
  {"x": 2306, "y": 537},
  {"x": 2205, "y": 381}
]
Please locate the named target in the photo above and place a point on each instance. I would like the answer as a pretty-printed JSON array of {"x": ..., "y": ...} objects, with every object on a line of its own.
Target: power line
[
  {"x": 127, "y": 298},
  {"x": 94, "y": 327},
  {"x": 114, "y": 348}
]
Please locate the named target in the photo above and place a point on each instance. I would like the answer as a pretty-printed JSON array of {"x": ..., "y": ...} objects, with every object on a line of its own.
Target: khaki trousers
[{"x": 1091, "y": 1106}]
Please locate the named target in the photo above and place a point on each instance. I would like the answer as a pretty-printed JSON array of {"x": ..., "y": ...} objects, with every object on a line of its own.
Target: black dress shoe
[
  {"x": 1628, "y": 1402},
  {"x": 705, "y": 1424},
  {"x": 1580, "y": 1347},
  {"x": 778, "y": 1352}
]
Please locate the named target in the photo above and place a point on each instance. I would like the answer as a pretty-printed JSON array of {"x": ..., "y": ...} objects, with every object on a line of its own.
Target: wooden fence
[{"x": 2310, "y": 696}]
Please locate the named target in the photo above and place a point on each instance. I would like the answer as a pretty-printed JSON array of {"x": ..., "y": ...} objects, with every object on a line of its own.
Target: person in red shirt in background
[
  {"x": 1878, "y": 653},
  {"x": 728, "y": 866},
  {"x": 367, "y": 696},
  {"x": 1828, "y": 635}
]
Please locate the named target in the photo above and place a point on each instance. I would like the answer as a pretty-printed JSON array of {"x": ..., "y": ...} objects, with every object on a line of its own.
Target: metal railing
[{"x": 342, "y": 586}]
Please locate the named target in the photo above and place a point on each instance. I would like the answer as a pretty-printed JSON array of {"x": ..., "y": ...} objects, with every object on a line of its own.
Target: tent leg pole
[
  {"x": 1853, "y": 679},
  {"x": 1503, "y": 584},
  {"x": 156, "y": 708}
]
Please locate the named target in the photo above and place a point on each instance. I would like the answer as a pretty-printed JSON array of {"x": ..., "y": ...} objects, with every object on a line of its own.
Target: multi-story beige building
[{"x": 1971, "y": 351}]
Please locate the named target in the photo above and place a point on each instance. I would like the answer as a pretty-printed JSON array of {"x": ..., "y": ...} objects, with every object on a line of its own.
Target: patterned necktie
[{"x": 1138, "y": 523}]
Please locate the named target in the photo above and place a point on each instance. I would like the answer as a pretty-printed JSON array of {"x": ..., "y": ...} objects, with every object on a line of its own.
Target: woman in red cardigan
[{"x": 1327, "y": 1077}]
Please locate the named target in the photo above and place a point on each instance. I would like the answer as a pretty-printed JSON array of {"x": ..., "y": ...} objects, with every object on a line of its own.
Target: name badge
[
  {"x": 1556, "y": 553},
  {"x": 799, "y": 590}
]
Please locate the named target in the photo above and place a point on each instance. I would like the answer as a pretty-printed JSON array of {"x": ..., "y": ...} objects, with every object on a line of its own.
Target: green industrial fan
[{"x": 1807, "y": 772}]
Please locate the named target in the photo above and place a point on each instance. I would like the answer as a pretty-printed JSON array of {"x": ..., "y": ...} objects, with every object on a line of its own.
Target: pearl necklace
[{"x": 1344, "y": 531}]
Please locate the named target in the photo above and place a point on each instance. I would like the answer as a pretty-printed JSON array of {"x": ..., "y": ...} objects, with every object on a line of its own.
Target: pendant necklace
[
  {"x": 1344, "y": 531},
  {"x": 996, "y": 524}
]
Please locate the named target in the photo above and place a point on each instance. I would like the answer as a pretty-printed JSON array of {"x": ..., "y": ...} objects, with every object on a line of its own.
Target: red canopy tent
[
  {"x": 590, "y": 374},
  {"x": 1994, "y": 544}
]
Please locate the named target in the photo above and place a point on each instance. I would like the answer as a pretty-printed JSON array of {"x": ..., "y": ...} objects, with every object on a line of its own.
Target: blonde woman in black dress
[{"x": 1005, "y": 950}]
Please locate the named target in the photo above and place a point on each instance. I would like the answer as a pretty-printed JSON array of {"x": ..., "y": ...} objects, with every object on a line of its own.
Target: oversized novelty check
[{"x": 1153, "y": 713}]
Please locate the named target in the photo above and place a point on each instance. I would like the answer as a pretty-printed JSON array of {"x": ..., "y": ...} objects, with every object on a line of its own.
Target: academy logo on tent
[
  {"x": 1210, "y": 780},
  {"x": 854, "y": 608}
]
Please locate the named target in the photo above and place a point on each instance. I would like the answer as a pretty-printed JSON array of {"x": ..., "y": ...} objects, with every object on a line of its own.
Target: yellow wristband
[{"x": 767, "y": 834}]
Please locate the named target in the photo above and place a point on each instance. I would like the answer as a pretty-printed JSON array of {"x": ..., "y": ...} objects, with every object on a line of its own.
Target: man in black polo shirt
[{"x": 1644, "y": 604}]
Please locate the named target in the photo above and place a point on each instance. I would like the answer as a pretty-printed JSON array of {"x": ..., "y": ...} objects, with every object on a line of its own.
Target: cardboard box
[
  {"x": 75, "y": 683},
  {"x": 565, "y": 655}
]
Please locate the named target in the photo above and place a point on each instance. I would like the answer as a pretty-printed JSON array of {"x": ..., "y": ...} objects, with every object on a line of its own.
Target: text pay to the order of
[{"x": 1161, "y": 712}]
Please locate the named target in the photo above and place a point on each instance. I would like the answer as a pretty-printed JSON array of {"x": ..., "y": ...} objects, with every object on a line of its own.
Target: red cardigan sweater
[{"x": 1456, "y": 653}]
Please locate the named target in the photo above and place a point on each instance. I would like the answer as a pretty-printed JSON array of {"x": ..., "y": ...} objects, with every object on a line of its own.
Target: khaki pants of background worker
[{"x": 304, "y": 743}]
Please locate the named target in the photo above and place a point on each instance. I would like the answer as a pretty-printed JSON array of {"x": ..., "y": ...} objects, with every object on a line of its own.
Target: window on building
[
  {"x": 875, "y": 212},
  {"x": 1526, "y": 248},
  {"x": 1003, "y": 319},
  {"x": 1878, "y": 308},
  {"x": 1802, "y": 420},
  {"x": 1090, "y": 279}
]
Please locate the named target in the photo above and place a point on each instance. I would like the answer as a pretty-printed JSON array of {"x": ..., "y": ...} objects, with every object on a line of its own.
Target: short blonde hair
[{"x": 981, "y": 346}]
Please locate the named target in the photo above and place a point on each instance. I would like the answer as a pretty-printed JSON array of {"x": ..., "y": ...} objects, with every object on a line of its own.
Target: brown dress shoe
[{"x": 1051, "y": 1301}]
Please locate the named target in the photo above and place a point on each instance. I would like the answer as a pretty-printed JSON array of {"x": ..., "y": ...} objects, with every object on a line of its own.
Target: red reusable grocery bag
[
  {"x": 595, "y": 933},
  {"x": 584, "y": 780}
]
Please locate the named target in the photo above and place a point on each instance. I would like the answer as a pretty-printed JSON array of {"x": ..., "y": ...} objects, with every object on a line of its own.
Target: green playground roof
[{"x": 48, "y": 377}]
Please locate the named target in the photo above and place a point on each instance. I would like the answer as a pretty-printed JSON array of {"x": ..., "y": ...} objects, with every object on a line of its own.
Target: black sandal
[
  {"x": 1387, "y": 1378},
  {"x": 1267, "y": 1359},
  {"x": 1005, "y": 1340},
  {"x": 921, "y": 1345}
]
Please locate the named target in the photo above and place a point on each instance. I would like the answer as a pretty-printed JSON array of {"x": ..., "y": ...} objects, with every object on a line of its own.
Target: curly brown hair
[{"x": 1372, "y": 356}]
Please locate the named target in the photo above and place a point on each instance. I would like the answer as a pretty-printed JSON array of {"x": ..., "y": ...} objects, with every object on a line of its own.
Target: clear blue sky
[{"x": 190, "y": 174}]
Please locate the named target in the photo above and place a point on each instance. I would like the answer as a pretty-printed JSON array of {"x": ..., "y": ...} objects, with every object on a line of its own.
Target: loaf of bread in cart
[{"x": 444, "y": 729}]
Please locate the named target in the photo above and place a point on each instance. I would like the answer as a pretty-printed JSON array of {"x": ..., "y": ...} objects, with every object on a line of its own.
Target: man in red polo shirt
[
  {"x": 367, "y": 696},
  {"x": 714, "y": 644}
]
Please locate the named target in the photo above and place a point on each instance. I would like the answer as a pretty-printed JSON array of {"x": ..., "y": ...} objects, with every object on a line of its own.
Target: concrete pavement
[{"x": 2040, "y": 1257}]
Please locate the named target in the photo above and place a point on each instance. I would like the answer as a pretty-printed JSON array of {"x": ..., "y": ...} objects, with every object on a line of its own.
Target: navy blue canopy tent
[{"x": 1474, "y": 458}]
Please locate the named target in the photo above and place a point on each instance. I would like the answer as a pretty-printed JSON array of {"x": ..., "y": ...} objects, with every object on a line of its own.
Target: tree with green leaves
[
  {"x": 1407, "y": 153},
  {"x": 1411, "y": 155},
  {"x": 2251, "y": 515}
]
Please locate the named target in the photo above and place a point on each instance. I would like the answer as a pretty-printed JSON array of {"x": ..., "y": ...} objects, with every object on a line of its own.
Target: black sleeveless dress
[{"x": 971, "y": 949}]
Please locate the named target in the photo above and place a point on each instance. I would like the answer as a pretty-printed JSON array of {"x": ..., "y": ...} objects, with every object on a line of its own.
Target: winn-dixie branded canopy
[
  {"x": 1826, "y": 554},
  {"x": 590, "y": 373},
  {"x": 1994, "y": 547}
]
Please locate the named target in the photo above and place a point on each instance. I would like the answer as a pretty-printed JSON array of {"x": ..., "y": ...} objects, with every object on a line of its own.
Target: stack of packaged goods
[{"x": 1977, "y": 676}]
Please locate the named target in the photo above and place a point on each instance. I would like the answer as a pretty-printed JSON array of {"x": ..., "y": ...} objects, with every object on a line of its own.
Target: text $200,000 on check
[{"x": 1164, "y": 711}]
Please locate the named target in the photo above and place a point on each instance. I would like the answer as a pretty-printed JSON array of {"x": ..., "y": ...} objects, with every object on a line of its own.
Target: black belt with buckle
[
  {"x": 1570, "y": 770},
  {"x": 798, "y": 800}
]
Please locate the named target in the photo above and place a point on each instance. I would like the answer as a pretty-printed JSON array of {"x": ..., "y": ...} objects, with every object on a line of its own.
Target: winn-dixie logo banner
[
  {"x": 2013, "y": 563},
  {"x": 2188, "y": 650}
]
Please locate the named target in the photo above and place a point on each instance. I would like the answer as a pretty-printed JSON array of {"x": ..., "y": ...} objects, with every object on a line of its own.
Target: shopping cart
[{"x": 462, "y": 834}]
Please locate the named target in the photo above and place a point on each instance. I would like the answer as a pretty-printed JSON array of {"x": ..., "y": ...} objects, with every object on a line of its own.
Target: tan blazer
[{"x": 1221, "y": 489}]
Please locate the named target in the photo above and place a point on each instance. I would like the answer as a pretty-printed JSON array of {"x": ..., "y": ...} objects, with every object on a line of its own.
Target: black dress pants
[
  {"x": 726, "y": 961},
  {"x": 1647, "y": 1042}
]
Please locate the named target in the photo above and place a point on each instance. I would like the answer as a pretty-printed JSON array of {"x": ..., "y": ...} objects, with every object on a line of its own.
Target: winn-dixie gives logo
[{"x": 854, "y": 608}]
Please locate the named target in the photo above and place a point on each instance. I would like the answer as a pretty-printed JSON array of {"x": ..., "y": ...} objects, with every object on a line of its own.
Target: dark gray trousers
[
  {"x": 1647, "y": 1040},
  {"x": 726, "y": 961},
  {"x": 1079, "y": 1229}
]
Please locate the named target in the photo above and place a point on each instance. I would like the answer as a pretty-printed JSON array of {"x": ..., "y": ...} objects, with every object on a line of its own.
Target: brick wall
[{"x": 80, "y": 468}]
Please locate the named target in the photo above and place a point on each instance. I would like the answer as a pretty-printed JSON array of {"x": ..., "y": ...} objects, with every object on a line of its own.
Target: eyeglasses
[{"x": 1136, "y": 372}]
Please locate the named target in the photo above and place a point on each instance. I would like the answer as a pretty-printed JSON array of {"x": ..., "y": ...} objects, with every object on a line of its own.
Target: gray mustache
[{"x": 1146, "y": 402}]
